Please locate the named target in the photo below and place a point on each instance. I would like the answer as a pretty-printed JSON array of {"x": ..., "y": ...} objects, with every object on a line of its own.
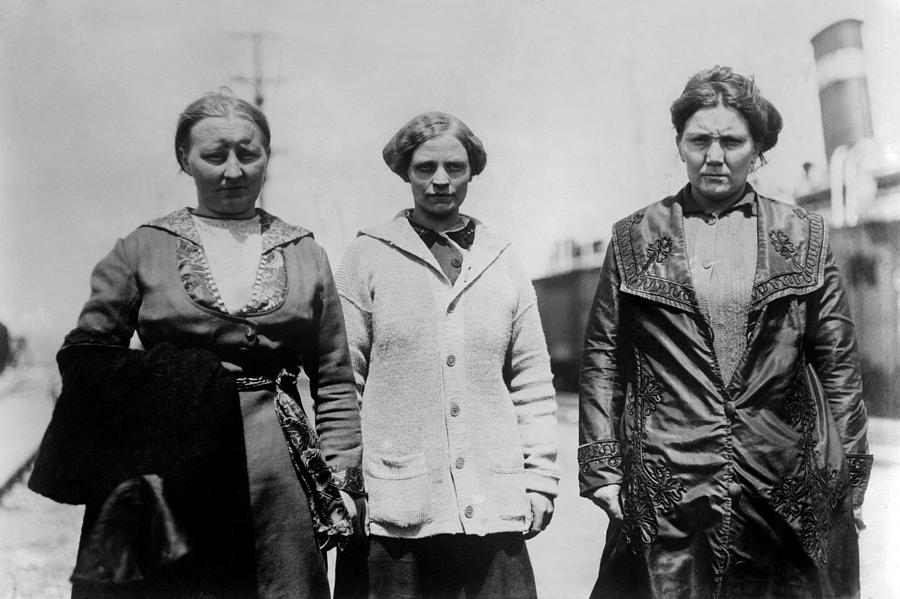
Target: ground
[{"x": 38, "y": 537}]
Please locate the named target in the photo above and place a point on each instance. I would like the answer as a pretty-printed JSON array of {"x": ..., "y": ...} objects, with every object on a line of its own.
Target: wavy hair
[
  {"x": 399, "y": 149},
  {"x": 720, "y": 84}
]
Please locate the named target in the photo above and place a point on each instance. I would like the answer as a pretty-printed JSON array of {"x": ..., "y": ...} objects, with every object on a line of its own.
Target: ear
[
  {"x": 185, "y": 165},
  {"x": 678, "y": 146}
]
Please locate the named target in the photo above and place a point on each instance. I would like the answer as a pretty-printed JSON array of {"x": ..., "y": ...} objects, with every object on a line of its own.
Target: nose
[
  {"x": 441, "y": 178},
  {"x": 232, "y": 167},
  {"x": 715, "y": 155}
]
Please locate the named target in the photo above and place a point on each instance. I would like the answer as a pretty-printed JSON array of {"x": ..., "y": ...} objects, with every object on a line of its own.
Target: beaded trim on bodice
[{"x": 270, "y": 283}]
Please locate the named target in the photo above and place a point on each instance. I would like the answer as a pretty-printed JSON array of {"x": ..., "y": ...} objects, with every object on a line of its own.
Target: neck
[
  {"x": 433, "y": 223},
  {"x": 708, "y": 206},
  {"x": 246, "y": 215}
]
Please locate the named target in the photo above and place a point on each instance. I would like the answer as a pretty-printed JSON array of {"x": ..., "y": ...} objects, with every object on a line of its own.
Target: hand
[
  {"x": 356, "y": 511},
  {"x": 858, "y": 518},
  {"x": 541, "y": 513},
  {"x": 607, "y": 497}
]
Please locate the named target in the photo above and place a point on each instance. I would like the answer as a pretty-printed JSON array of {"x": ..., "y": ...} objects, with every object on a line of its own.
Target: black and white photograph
[{"x": 462, "y": 299}]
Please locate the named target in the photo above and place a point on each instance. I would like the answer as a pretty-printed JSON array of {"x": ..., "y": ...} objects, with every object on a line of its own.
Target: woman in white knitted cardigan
[{"x": 458, "y": 406}]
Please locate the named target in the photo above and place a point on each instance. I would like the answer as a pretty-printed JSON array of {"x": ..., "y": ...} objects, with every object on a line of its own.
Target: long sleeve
[
  {"x": 832, "y": 352},
  {"x": 110, "y": 315},
  {"x": 357, "y": 304},
  {"x": 327, "y": 363},
  {"x": 530, "y": 383},
  {"x": 601, "y": 387}
]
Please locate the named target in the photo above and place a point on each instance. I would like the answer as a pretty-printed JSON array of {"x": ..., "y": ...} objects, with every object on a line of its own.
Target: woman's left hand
[
  {"x": 541, "y": 513},
  {"x": 356, "y": 511}
]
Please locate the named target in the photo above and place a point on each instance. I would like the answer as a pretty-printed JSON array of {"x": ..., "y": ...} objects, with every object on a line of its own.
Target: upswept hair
[
  {"x": 399, "y": 149},
  {"x": 709, "y": 87},
  {"x": 221, "y": 103}
]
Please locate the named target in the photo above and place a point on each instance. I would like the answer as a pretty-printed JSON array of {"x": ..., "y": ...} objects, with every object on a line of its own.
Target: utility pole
[{"x": 257, "y": 80}]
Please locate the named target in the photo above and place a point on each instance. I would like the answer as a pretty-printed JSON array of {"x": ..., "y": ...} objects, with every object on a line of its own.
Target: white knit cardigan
[{"x": 458, "y": 407}]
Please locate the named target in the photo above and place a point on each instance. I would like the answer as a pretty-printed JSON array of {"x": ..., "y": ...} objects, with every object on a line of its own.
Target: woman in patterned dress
[
  {"x": 722, "y": 427},
  {"x": 183, "y": 439}
]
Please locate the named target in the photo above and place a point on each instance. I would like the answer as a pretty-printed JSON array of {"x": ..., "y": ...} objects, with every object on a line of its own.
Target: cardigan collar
[
  {"x": 400, "y": 234},
  {"x": 274, "y": 231},
  {"x": 652, "y": 256}
]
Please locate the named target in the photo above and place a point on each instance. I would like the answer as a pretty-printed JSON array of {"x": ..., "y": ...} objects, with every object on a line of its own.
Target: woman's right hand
[{"x": 607, "y": 497}]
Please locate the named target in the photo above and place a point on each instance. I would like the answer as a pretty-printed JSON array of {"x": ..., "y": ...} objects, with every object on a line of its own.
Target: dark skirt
[{"x": 442, "y": 566}]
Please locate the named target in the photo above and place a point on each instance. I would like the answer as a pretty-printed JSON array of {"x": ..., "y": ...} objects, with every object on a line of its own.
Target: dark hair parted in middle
[
  {"x": 429, "y": 125},
  {"x": 710, "y": 87}
]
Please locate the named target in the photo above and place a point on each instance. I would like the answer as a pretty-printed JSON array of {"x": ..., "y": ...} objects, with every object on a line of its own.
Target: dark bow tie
[{"x": 463, "y": 237}]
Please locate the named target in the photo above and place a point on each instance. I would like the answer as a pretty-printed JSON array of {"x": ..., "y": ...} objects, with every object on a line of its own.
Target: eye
[
  {"x": 424, "y": 167},
  {"x": 456, "y": 167},
  {"x": 214, "y": 158},
  {"x": 248, "y": 155}
]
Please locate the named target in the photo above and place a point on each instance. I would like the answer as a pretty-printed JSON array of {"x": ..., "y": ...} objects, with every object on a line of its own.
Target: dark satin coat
[{"x": 738, "y": 487}]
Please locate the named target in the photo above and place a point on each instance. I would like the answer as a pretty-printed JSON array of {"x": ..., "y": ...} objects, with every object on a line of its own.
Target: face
[
  {"x": 227, "y": 159},
  {"x": 718, "y": 151},
  {"x": 439, "y": 176}
]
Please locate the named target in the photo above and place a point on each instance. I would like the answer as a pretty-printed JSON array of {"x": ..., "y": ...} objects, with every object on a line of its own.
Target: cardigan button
[
  {"x": 469, "y": 511},
  {"x": 451, "y": 360},
  {"x": 456, "y": 263},
  {"x": 251, "y": 333},
  {"x": 734, "y": 490},
  {"x": 460, "y": 463},
  {"x": 454, "y": 410}
]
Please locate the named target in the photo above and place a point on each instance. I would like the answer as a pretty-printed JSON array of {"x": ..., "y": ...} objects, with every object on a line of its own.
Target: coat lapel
[
  {"x": 792, "y": 245},
  {"x": 652, "y": 256}
]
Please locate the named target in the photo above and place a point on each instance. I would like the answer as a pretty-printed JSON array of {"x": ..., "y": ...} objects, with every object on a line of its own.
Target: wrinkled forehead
[
  {"x": 717, "y": 121},
  {"x": 228, "y": 130}
]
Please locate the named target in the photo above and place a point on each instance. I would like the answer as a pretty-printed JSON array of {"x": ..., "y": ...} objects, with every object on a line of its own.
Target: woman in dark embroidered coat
[
  {"x": 722, "y": 427},
  {"x": 177, "y": 450}
]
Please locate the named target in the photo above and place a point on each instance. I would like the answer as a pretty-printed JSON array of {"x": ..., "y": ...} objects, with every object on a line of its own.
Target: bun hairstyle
[
  {"x": 399, "y": 149},
  {"x": 710, "y": 87},
  {"x": 221, "y": 103}
]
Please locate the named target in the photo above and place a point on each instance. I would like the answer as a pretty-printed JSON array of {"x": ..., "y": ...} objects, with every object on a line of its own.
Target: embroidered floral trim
[
  {"x": 637, "y": 217},
  {"x": 784, "y": 246},
  {"x": 811, "y": 497},
  {"x": 648, "y": 487},
  {"x": 860, "y": 466},
  {"x": 269, "y": 287},
  {"x": 808, "y": 276},
  {"x": 801, "y": 213},
  {"x": 607, "y": 452},
  {"x": 637, "y": 281},
  {"x": 349, "y": 480},
  {"x": 657, "y": 252}
]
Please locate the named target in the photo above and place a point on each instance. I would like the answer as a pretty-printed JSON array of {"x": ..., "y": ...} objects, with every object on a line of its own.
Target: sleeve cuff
[
  {"x": 541, "y": 482},
  {"x": 860, "y": 466},
  {"x": 599, "y": 464}
]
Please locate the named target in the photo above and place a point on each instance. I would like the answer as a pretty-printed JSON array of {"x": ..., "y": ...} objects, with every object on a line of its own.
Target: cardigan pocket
[
  {"x": 399, "y": 491},
  {"x": 508, "y": 499}
]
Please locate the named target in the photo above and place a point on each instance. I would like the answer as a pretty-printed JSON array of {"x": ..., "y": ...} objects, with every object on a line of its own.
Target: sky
[{"x": 569, "y": 97}]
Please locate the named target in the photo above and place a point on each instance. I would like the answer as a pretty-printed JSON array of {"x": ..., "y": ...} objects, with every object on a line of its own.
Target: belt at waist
[{"x": 283, "y": 380}]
